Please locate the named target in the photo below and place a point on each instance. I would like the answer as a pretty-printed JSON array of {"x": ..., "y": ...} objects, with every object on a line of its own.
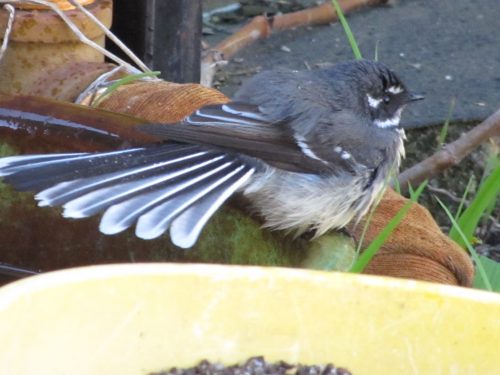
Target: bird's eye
[{"x": 386, "y": 99}]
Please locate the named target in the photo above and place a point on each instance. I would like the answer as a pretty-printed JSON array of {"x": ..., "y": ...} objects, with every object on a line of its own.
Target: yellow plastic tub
[{"x": 135, "y": 319}]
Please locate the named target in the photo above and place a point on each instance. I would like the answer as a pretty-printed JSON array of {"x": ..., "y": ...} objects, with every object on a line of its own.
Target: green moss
[
  {"x": 333, "y": 251},
  {"x": 8, "y": 196},
  {"x": 7, "y": 150},
  {"x": 232, "y": 237}
]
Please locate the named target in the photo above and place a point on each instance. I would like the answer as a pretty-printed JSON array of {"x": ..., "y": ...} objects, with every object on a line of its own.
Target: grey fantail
[{"x": 312, "y": 150}]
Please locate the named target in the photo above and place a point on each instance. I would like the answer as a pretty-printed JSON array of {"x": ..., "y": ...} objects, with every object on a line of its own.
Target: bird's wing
[
  {"x": 171, "y": 185},
  {"x": 244, "y": 128}
]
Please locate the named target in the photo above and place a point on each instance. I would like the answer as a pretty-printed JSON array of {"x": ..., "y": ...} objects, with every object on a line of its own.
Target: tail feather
[
  {"x": 157, "y": 220},
  {"x": 122, "y": 215},
  {"x": 98, "y": 200},
  {"x": 31, "y": 171},
  {"x": 38, "y": 172},
  {"x": 112, "y": 184},
  {"x": 186, "y": 228},
  {"x": 9, "y": 163},
  {"x": 169, "y": 185}
]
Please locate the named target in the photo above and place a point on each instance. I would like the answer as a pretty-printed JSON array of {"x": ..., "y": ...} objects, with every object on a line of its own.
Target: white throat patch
[{"x": 389, "y": 122}]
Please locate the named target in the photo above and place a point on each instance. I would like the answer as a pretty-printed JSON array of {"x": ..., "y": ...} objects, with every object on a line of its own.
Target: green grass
[
  {"x": 492, "y": 163},
  {"x": 468, "y": 221},
  {"x": 123, "y": 81},
  {"x": 347, "y": 30},
  {"x": 444, "y": 129},
  {"x": 481, "y": 271},
  {"x": 492, "y": 271},
  {"x": 465, "y": 223},
  {"x": 362, "y": 261},
  {"x": 464, "y": 197}
]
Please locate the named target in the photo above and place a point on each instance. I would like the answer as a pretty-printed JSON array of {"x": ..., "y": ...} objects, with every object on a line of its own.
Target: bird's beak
[{"x": 414, "y": 97}]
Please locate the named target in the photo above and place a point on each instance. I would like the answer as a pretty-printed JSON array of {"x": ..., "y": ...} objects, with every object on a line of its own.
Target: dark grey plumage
[{"x": 311, "y": 149}]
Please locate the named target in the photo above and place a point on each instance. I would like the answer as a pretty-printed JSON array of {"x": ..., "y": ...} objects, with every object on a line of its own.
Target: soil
[{"x": 256, "y": 366}]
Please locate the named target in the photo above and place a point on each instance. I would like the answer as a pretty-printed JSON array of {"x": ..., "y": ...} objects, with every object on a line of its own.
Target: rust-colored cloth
[
  {"x": 417, "y": 248},
  {"x": 161, "y": 101}
]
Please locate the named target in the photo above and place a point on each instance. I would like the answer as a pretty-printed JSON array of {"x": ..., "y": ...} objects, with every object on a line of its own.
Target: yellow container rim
[{"x": 140, "y": 318}]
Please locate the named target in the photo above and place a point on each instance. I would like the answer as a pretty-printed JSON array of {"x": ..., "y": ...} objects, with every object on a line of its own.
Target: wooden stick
[{"x": 451, "y": 154}]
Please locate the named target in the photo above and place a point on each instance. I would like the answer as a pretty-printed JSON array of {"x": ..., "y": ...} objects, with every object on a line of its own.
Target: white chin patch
[{"x": 389, "y": 122}]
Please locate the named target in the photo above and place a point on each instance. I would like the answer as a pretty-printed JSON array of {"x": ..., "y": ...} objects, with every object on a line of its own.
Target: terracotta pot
[{"x": 41, "y": 43}]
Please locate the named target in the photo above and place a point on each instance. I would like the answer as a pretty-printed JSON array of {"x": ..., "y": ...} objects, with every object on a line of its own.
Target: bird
[{"x": 312, "y": 150}]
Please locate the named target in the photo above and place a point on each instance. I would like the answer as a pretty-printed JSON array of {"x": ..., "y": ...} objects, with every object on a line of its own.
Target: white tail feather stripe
[
  {"x": 81, "y": 206},
  {"x": 148, "y": 225},
  {"x": 46, "y": 196},
  {"x": 110, "y": 222},
  {"x": 183, "y": 232}
]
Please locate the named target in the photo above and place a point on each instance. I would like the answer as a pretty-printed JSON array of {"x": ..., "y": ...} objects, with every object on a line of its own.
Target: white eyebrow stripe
[
  {"x": 395, "y": 89},
  {"x": 373, "y": 102}
]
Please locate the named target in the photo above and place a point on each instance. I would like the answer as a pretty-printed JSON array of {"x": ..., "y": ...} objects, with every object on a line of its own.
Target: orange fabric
[
  {"x": 417, "y": 248},
  {"x": 161, "y": 101}
]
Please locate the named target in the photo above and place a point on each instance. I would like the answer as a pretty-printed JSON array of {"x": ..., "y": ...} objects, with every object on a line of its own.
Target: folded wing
[{"x": 242, "y": 128}]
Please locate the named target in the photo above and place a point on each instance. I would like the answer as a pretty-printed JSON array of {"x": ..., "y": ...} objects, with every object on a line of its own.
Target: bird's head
[
  {"x": 379, "y": 92},
  {"x": 385, "y": 95}
]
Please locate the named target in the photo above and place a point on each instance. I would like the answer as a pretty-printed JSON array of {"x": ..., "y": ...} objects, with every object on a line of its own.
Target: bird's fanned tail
[{"x": 171, "y": 185}]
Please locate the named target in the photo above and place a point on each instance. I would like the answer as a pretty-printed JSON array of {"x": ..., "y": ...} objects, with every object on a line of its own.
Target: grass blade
[
  {"x": 479, "y": 265},
  {"x": 347, "y": 30},
  {"x": 123, "y": 81},
  {"x": 464, "y": 197},
  {"x": 492, "y": 269},
  {"x": 444, "y": 130},
  {"x": 367, "y": 255},
  {"x": 467, "y": 223}
]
